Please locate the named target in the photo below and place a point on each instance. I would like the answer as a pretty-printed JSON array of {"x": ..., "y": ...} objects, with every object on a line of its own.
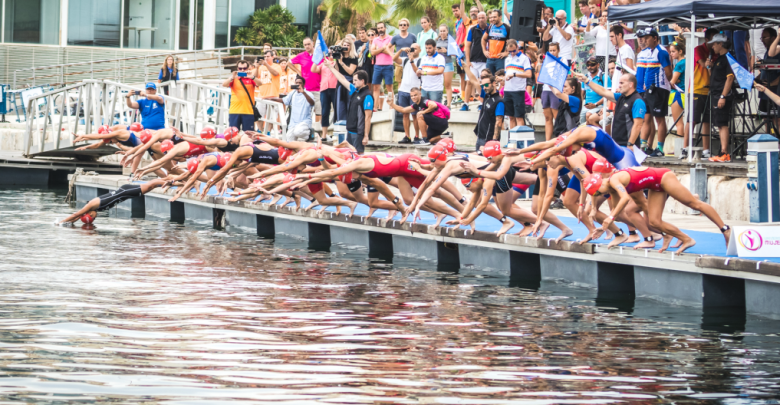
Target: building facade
[{"x": 172, "y": 25}]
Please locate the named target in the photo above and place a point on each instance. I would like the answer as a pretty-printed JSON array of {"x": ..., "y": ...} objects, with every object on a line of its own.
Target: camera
[
  {"x": 336, "y": 51},
  {"x": 293, "y": 87},
  {"x": 258, "y": 59},
  {"x": 552, "y": 21}
]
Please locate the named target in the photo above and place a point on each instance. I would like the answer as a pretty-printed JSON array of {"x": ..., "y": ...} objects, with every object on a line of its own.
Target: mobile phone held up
[
  {"x": 294, "y": 87},
  {"x": 241, "y": 74}
]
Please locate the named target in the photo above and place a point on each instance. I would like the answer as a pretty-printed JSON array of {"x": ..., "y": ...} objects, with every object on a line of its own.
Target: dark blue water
[{"x": 152, "y": 311}]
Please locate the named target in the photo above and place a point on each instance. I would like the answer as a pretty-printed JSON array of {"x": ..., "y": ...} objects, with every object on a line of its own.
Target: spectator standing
[
  {"x": 569, "y": 106},
  {"x": 347, "y": 65},
  {"x": 677, "y": 53},
  {"x": 769, "y": 78},
  {"x": 404, "y": 39},
  {"x": 599, "y": 33},
  {"x": 409, "y": 80},
  {"x": 593, "y": 101},
  {"x": 629, "y": 108},
  {"x": 463, "y": 24},
  {"x": 328, "y": 86},
  {"x": 561, "y": 33},
  {"x": 360, "y": 109},
  {"x": 269, "y": 73},
  {"x": 302, "y": 65},
  {"x": 547, "y": 14},
  {"x": 363, "y": 47},
  {"x": 151, "y": 106},
  {"x": 432, "y": 117},
  {"x": 300, "y": 102},
  {"x": 549, "y": 101},
  {"x": 382, "y": 49},
  {"x": 518, "y": 71},
  {"x": 624, "y": 60},
  {"x": 284, "y": 76},
  {"x": 701, "y": 91},
  {"x": 475, "y": 59},
  {"x": 654, "y": 69},
  {"x": 168, "y": 72},
  {"x": 721, "y": 94},
  {"x": 427, "y": 32},
  {"x": 491, "y": 115},
  {"x": 442, "y": 47},
  {"x": 494, "y": 43},
  {"x": 242, "y": 89},
  {"x": 584, "y": 21},
  {"x": 431, "y": 72}
]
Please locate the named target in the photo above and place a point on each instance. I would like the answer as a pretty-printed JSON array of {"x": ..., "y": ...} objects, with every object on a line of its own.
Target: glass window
[
  {"x": 32, "y": 21},
  {"x": 221, "y": 30},
  {"x": 184, "y": 24},
  {"x": 240, "y": 12},
  {"x": 149, "y": 24},
  {"x": 94, "y": 22},
  {"x": 300, "y": 9}
]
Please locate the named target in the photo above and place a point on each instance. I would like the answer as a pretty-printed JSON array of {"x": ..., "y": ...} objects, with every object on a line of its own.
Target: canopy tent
[{"x": 720, "y": 14}]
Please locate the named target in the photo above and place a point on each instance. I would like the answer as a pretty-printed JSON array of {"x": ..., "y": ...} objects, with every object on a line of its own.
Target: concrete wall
[{"x": 727, "y": 195}]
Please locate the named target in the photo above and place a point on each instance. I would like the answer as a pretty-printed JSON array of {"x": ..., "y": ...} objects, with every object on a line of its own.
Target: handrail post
[
  {"x": 242, "y": 52},
  {"x": 146, "y": 69},
  {"x": 14, "y": 80},
  {"x": 33, "y": 78},
  {"x": 92, "y": 69}
]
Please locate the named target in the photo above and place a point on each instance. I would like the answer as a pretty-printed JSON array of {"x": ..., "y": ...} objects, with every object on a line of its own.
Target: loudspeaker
[{"x": 526, "y": 14}]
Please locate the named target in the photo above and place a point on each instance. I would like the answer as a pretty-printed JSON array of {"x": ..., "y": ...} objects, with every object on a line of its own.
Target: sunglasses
[
  {"x": 242, "y": 68},
  {"x": 485, "y": 85},
  {"x": 403, "y": 25},
  {"x": 371, "y": 35}
]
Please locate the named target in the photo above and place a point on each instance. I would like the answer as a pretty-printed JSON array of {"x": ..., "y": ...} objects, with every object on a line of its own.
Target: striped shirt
[
  {"x": 518, "y": 63},
  {"x": 650, "y": 69}
]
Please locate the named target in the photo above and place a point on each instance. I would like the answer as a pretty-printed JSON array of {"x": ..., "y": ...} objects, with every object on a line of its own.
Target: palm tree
[
  {"x": 438, "y": 11},
  {"x": 344, "y": 16}
]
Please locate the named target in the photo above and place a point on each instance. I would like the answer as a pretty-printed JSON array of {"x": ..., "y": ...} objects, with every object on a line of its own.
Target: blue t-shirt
[
  {"x": 170, "y": 71},
  {"x": 500, "y": 109},
  {"x": 574, "y": 104},
  {"x": 638, "y": 110},
  {"x": 591, "y": 97},
  {"x": 650, "y": 68},
  {"x": 680, "y": 67},
  {"x": 152, "y": 114},
  {"x": 368, "y": 103}
]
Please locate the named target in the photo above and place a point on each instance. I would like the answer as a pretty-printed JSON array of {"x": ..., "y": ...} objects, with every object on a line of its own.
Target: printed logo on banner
[
  {"x": 751, "y": 240},
  {"x": 754, "y": 241}
]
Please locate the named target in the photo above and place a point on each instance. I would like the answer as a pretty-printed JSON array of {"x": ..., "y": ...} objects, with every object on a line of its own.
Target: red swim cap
[
  {"x": 602, "y": 166},
  {"x": 230, "y": 133},
  {"x": 192, "y": 164},
  {"x": 288, "y": 177},
  {"x": 106, "y": 140},
  {"x": 166, "y": 145},
  {"x": 346, "y": 178},
  {"x": 448, "y": 144},
  {"x": 284, "y": 153},
  {"x": 145, "y": 136},
  {"x": 224, "y": 159},
  {"x": 437, "y": 152},
  {"x": 104, "y": 129},
  {"x": 492, "y": 148},
  {"x": 208, "y": 133},
  {"x": 87, "y": 219},
  {"x": 566, "y": 152},
  {"x": 592, "y": 183},
  {"x": 136, "y": 127},
  {"x": 260, "y": 181}
]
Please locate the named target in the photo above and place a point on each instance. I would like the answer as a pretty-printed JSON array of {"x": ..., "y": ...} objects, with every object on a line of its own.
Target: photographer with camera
[
  {"x": 558, "y": 31},
  {"x": 269, "y": 73},
  {"x": 346, "y": 59},
  {"x": 242, "y": 85},
  {"x": 151, "y": 107},
  {"x": 300, "y": 102}
]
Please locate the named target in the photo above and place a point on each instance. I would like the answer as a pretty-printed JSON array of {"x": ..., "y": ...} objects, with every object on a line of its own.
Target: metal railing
[
  {"x": 90, "y": 103},
  {"x": 201, "y": 64}
]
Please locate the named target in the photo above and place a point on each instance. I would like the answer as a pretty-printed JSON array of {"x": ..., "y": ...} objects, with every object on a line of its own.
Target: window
[
  {"x": 240, "y": 12},
  {"x": 149, "y": 24},
  {"x": 221, "y": 27},
  {"x": 32, "y": 21},
  {"x": 94, "y": 22}
]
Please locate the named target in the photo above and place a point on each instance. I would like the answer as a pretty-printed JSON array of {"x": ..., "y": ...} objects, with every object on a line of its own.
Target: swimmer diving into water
[{"x": 110, "y": 200}]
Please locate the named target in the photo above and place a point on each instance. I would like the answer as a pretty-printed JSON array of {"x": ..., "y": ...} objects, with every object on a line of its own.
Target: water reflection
[{"x": 137, "y": 310}]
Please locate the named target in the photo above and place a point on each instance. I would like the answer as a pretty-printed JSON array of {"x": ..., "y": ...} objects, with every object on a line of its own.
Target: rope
[{"x": 71, "y": 197}]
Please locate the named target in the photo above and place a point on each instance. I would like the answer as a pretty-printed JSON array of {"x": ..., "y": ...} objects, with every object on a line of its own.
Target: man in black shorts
[
  {"x": 721, "y": 94},
  {"x": 432, "y": 117},
  {"x": 110, "y": 200}
]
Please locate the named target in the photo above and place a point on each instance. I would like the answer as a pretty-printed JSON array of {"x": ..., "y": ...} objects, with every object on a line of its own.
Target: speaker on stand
[{"x": 526, "y": 14}]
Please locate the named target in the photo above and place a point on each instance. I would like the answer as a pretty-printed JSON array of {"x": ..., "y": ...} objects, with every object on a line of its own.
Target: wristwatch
[
  {"x": 722, "y": 96},
  {"x": 630, "y": 144}
]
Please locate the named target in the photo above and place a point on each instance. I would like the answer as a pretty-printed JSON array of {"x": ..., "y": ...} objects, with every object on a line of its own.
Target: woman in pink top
[{"x": 328, "y": 86}]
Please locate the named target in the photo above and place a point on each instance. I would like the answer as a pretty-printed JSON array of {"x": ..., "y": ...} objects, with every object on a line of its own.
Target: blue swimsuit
[{"x": 620, "y": 156}]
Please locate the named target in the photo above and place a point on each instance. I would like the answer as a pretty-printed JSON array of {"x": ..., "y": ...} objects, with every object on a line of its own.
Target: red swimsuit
[
  {"x": 195, "y": 150},
  {"x": 645, "y": 179},
  {"x": 391, "y": 169}
]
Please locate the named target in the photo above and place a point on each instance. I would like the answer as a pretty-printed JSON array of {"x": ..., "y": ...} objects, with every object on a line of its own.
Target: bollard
[
  {"x": 763, "y": 187},
  {"x": 698, "y": 185}
]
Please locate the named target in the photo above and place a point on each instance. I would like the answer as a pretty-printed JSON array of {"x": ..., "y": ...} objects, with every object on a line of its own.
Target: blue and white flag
[
  {"x": 743, "y": 76},
  {"x": 454, "y": 49},
  {"x": 553, "y": 72},
  {"x": 320, "y": 49}
]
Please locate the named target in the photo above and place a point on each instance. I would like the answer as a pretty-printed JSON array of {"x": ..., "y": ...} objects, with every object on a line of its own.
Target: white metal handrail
[{"x": 138, "y": 67}]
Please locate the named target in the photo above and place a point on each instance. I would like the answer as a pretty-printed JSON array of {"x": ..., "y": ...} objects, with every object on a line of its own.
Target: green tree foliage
[
  {"x": 438, "y": 11},
  {"x": 344, "y": 16},
  {"x": 273, "y": 25}
]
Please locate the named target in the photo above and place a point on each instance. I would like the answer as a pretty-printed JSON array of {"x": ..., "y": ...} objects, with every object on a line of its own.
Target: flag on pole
[
  {"x": 454, "y": 49},
  {"x": 743, "y": 76},
  {"x": 320, "y": 49},
  {"x": 553, "y": 72}
]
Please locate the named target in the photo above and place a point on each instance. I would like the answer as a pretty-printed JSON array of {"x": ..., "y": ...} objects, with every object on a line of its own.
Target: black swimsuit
[
  {"x": 231, "y": 147},
  {"x": 502, "y": 186},
  {"x": 264, "y": 156},
  {"x": 125, "y": 192}
]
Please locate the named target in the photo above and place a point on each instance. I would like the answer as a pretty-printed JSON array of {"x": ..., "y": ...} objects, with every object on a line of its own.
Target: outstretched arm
[{"x": 601, "y": 91}]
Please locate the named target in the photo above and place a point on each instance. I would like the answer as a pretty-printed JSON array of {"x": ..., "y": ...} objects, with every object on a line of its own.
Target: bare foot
[
  {"x": 371, "y": 212},
  {"x": 678, "y": 244},
  {"x": 352, "y": 205},
  {"x": 618, "y": 240},
  {"x": 276, "y": 199},
  {"x": 439, "y": 218},
  {"x": 727, "y": 235},
  {"x": 608, "y": 235},
  {"x": 526, "y": 231},
  {"x": 543, "y": 229},
  {"x": 686, "y": 245},
  {"x": 665, "y": 244},
  {"x": 391, "y": 214},
  {"x": 564, "y": 233},
  {"x": 657, "y": 236},
  {"x": 633, "y": 239},
  {"x": 645, "y": 245},
  {"x": 596, "y": 233},
  {"x": 508, "y": 224}
]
